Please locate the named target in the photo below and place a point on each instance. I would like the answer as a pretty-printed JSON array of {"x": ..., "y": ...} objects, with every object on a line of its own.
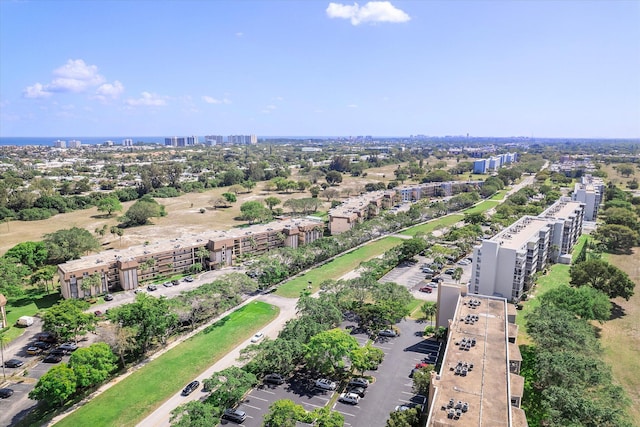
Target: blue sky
[{"x": 163, "y": 68}]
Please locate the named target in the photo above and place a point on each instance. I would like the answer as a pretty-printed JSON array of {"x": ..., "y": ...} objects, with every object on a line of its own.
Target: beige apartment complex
[
  {"x": 589, "y": 191},
  {"x": 504, "y": 265},
  {"x": 127, "y": 268},
  {"x": 479, "y": 382}
]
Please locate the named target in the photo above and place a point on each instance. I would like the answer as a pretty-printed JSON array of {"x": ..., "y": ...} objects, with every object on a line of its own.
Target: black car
[
  {"x": 359, "y": 382},
  {"x": 58, "y": 352},
  {"x": 274, "y": 379},
  {"x": 13, "y": 363},
  {"x": 175, "y": 282},
  {"x": 53, "y": 358},
  {"x": 449, "y": 271},
  {"x": 42, "y": 345},
  {"x": 5, "y": 392},
  {"x": 193, "y": 385}
]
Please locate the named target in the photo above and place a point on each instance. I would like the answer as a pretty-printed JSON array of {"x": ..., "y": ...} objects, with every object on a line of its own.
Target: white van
[{"x": 25, "y": 321}]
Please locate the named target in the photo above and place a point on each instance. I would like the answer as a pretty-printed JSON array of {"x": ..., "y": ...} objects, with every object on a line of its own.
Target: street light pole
[{"x": 4, "y": 375}]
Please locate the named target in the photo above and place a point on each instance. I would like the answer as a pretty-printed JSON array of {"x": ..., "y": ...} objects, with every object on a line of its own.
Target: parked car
[
  {"x": 234, "y": 415},
  {"x": 402, "y": 408},
  {"x": 358, "y": 382},
  {"x": 388, "y": 333},
  {"x": 152, "y": 288},
  {"x": 46, "y": 337},
  {"x": 42, "y": 345},
  {"x": 326, "y": 384},
  {"x": 257, "y": 337},
  {"x": 427, "y": 289},
  {"x": 273, "y": 379},
  {"x": 360, "y": 391},
  {"x": 167, "y": 284},
  {"x": 175, "y": 282},
  {"x": 32, "y": 351},
  {"x": 138, "y": 291},
  {"x": 68, "y": 347},
  {"x": 427, "y": 270},
  {"x": 437, "y": 279},
  {"x": 13, "y": 363},
  {"x": 25, "y": 321},
  {"x": 351, "y": 398},
  {"x": 449, "y": 271},
  {"x": 52, "y": 358},
  {"x": 193, "y": 385},
  {"x": 108, "y": 297},
  {"x": 98, "y": 313},
  {"x": 188, "y": 279},
  {"x": 5, "y": 393},
  {"x": 421, "y": 365},
  {"x": 464, "y": 262}
]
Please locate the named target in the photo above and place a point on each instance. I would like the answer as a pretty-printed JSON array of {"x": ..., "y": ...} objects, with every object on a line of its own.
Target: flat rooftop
[
  {"x": 107, "y": 257},
  {"x": 561, "y": 209},
  {"x": 520, "y": 232},
  {"x": 356, "y": 204},
  {"x": 485, "y": 386}
]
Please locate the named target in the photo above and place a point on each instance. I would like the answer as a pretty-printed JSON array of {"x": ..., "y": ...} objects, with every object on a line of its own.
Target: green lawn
[
  {"x": 558, "y": 275},
  {"x": 482, "y": 207},
  {"x": 135, "y": 397},
  {"x": 33, "y": 302},
  {"x": 499, "y": 195},
  {"x": 433, "y": 225},
  {"x": 337, "y": 267}
]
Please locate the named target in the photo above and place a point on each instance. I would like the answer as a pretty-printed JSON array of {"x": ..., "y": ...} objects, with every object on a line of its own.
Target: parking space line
[
  {"x": 252, "y": 407},
  {"x": 264, "y": 391},
  {"x": 259, "y": 398},
  {"x": 311, "y": 404}
]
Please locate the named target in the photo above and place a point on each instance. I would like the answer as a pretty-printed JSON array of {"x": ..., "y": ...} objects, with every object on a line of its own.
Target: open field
[
  {"x": 433, "y": 225},
  {"x": 616, "y": 178},
  {"x": 336, "y": 268},
  {"x": 34, "y": 301},
  {"x": 620, "y": 337},
  {"x": 482, "y": 207},
  {"x": 131, "y": 399}
]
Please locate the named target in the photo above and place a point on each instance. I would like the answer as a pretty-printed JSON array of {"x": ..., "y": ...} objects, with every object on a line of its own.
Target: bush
[
  {"x": 165, "y": 192},
  {"x": 35, "y": 214}
]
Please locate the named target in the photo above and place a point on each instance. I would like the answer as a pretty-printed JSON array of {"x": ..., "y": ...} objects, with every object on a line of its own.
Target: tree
[
  {"x": 429, "y": 309},
  {"x": 366, "y": 358},
  {"x": 228, "y": 386},
  {"x": 280, "y": 355},
  {"x": 333, "y": 177},
  {"x": 55, "y": 386},
  {"x": 586, "y": 302},
  {"x": 621, "y": 216},
  {"x": 616, "y": 238},
  {"x": 31, "y": 254},
  {"x": 325, "y": 351},
  {"x": 422, "y": 380},
  {"x": 330, "y": 193},
  {"x": 67, "y": 319},
  {"x": 65, "y": 245},
  {"x": 271, "y": 202},
  {"x": 457, "y": 274},
  {"x": 92, "y": 365},
  {"x": 150, "y": 317},
  {"x": 44, "y": 276},
  {"x": 410, "y": 248},
  {"x": 475, "y": 218},
  {"x": 109, "y": 205},
  {"x": 13, "y": 274},
  {"x": 284, "y": 413},
  {"x": 325, "y": 417},
  {"x": 90, "y": 282},
  {"x": 254, "y": 211},
  {"x": 602, "y": 276},
  {"x": 193, "y": 414},
  {"x": 408, "y": 418},
  {"x": 140, "y": 212},
  {"x": 230, "y": 197}
]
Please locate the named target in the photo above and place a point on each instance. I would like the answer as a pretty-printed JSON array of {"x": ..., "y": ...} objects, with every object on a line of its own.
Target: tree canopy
[
  {"x": 67, "y": 319},
  {"x": 602, "y": 276},
  {"x": 92, "y": 365},
  {"x": 109, "y": 205},
  {"x": 55, "y": 386},
  {"x": 68, "y": 244},
  {"x": 142, "y": 210}
]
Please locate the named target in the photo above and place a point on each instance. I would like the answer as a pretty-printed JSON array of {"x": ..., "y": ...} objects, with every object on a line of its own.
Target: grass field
[
  {"x": 133, "y": 398},
  {"x": 482, "y": 207},
  {"x": 33, "y": 302},
  {"x": 336, "y": 268},
  {"x": 433, "y": 225},
  {"x": 620, "y": 337},
  {"x": 499, "y": 195}
]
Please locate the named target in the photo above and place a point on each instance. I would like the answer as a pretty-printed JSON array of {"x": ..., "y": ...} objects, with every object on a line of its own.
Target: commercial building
[
  {"x": 479, "y": 382},
  {"x": 504, "y": 265},
  {"x": 126, "y": 269},
  {"x": 589, "y": 191}
]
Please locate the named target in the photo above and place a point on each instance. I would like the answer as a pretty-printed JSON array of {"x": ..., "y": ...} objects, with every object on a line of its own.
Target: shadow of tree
[{"x": 617, "y": 311}]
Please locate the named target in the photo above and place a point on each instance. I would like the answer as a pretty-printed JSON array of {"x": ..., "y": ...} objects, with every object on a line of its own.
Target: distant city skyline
[{"x": 560, "y": 69}]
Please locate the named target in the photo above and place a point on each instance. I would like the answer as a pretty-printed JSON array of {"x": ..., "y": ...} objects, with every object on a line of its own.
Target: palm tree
[
  {"x": 202, "y": 253},
  {"x": 457, "y": 274},
  {"x": 429, "y": 309}
]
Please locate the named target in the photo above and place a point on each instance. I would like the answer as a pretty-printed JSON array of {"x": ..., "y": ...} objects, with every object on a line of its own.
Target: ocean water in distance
[{"x": 89, "y": 140}]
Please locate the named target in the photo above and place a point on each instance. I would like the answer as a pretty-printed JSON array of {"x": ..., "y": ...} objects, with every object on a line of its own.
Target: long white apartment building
[
  {"x": 589, "y": 191},
  {"x": 505, "y": 264}
]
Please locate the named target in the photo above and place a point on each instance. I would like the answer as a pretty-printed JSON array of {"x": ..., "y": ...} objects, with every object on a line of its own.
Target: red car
[
  {"x": 426, "y": 289},
  {"x": 421, "y": 365}
]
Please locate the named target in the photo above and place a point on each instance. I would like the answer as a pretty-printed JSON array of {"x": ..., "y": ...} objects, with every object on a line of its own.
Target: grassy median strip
[
  {"x": 336, "y": 268},
  {"x": 430, "y": 226},
  {"x": 136, "y": 396},
  {"x": 482, "y": 207}
]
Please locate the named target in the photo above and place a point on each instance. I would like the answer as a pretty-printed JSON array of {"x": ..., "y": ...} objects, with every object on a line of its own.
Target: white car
[
  {"x": 351, "y": 398},
  {"x": 326, "y": 384},
  {"x": 257, "y": 337}
]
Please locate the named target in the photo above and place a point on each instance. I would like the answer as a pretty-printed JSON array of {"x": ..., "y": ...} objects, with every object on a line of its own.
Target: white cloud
[
  {"x": 75, "y": 76},
  {"x": 212, "y": 100},
  {"x": 109, "y": 91},
  {"x": 271, "y": 107},
  {"x": 147, "y": 100},
  {"x": 371, "y": 12},
  {"x": 36, "y": 91},
  {"x": 352, "y": 106},
  {"x": 239, "y": 34}
]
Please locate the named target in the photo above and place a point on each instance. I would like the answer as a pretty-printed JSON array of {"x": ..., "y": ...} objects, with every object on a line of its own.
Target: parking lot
[{"x": 391, "y": 385}]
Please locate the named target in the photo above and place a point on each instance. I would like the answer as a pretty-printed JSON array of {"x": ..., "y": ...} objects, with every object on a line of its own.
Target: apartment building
[
  {"x": 242, "y": 139},
  {"x": 589, "y": 191},
  {"x": 479, "y": 382},
  {"x": 126, "y": 269},
  {"x": 494, "y": 163},
  {"x": 360, "y": 208},
  {"x": 415, "y": 192},
  {"x": 505, "y": 265}
]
